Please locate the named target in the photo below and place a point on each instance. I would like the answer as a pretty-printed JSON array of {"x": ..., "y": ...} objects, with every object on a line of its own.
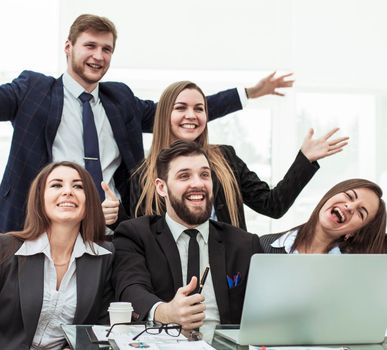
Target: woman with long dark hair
[
  {"x": 57, "y": 269},
  {"x": 349, "y": 218}
]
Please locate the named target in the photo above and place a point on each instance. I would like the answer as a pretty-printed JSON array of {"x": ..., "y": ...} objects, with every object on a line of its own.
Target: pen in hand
[{"x": 203, "y": 279}]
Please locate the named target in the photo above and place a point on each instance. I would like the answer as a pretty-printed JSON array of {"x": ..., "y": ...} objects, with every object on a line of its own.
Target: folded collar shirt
[
  {"x": 286, "y": 241},
  {"x": 58, "y": 305}
]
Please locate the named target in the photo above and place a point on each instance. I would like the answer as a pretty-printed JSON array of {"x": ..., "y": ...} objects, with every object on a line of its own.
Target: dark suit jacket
[
  {"x": 33, "y": 103},
  {"x": 147, "y": 267},
  {"x": 21, "y": 292},
  {"x": 256, "y": 193}
]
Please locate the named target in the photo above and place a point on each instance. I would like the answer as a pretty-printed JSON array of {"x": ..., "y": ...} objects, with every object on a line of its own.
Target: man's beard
[
  {"x": 186, "y": 214},
  {"x": 79, "y": 69}
]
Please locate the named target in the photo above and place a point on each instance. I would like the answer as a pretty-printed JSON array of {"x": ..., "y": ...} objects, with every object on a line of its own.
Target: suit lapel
[
  {"x": 118, "y": 126},
  {"x": 217, "y": 258},
  {"x": 54, "y": 114},
  {"x": 168, "y": 245},
  {"x": 88, "y": 268},
  {"x": 31, "y": 285}
]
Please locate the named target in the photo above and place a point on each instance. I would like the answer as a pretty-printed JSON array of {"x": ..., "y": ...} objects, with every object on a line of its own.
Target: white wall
[{"x": 326, "y": 42}]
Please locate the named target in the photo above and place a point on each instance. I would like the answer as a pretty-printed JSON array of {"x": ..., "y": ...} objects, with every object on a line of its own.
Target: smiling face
[
  {"x": 188, "y": 117},
  {"x": 345, "y": 213},
  {"x": 64, "y": 197},
  {"x": 88, "y": 59},
  {"x": 188, "y": 190}
]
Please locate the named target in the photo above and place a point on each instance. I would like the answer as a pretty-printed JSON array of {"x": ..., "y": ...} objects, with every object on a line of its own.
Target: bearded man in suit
[{"x": 155, "y": 260}]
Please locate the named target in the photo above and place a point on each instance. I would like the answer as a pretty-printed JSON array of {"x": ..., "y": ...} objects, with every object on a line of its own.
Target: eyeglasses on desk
[{"x": 154, "y": 328}]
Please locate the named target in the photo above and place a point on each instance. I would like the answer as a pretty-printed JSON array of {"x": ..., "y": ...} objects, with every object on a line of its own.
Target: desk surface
[{"x": 78, "y": 339}]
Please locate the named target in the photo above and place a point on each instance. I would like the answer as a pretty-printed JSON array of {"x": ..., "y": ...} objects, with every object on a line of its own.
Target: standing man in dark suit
[
  {"x": 46, "y": 114},
  {"x": 153, "y": 266}
]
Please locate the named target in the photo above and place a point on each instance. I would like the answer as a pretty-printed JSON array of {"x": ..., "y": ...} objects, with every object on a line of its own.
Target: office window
[{"x": 355, "y": 115}]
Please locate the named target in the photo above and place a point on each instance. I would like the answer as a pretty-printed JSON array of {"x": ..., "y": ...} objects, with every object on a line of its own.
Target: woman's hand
[
  {"x": 315, "y": 149},
  {"x": 268, "y": 86}
]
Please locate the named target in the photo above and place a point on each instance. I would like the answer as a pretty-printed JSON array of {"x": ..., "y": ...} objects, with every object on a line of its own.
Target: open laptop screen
[{"x": 315, "y": 299}]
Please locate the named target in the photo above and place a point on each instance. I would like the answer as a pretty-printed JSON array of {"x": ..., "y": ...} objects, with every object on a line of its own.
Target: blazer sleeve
[
  {"x": 219, "y": 105},
  {"x": 11, "y": 95},
  {"x": 259, "y": 196},
  {"x": 223, "y": 103},
  {"x": 131, "y": 277}
]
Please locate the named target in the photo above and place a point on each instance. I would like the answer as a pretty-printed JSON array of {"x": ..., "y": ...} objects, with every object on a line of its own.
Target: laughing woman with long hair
[{"x": 349, "y": 218}]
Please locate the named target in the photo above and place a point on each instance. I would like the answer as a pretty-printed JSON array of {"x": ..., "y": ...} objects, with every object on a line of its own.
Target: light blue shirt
[
  {"x": 286, "y": 241},
  {"x": 68, "y": 142}
]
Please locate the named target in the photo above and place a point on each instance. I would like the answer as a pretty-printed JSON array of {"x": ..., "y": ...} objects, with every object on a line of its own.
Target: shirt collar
[
  {"x": 75, "y": 89},
  {"x": 42, "y": 245},
  {"x": 36, "y": 246},
  {"x": 286, "y": 241},
  {"x": 177, "y": 228}
]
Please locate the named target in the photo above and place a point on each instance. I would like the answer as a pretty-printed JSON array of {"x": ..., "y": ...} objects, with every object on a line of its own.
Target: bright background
[{"x": 336, "y": 49}]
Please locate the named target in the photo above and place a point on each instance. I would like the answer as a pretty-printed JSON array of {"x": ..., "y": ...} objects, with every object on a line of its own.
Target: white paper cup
[
  {"x": 120, "y": 312},
  {"x": 120, "y": 305}
]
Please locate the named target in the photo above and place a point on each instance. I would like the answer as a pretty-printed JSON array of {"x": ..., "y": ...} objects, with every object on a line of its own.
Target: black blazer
[
  {"x": 256, "y": 193},
  {"x": 147, "y": 267},
  {"x": 21, "y": 292},
  {"x": 33, "y": 103}
]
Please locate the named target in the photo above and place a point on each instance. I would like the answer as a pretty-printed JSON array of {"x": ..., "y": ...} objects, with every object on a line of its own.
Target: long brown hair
[
  {"x": 37, "y": 222},
  {"x": 368, "y": 239},
  {"x": 162, "y": 138}
]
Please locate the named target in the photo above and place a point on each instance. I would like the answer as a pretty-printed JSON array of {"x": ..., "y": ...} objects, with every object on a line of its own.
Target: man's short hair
[
  {"x": 177, "y": 149},
  {"x": 94, "y": 23}
]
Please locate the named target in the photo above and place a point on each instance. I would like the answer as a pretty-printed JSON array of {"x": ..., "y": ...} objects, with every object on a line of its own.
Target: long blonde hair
[{"x": 162, "y": 138}]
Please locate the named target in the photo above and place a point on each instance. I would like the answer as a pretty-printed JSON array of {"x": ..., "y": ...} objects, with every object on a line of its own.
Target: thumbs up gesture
[{"x": 110, "y": 205}]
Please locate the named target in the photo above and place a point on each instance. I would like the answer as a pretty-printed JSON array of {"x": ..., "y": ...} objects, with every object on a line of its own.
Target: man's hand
[
  {"x": 315, "y": 149},
  {"x": 110, "y": 205},
  {"x": 268, "y": 86},
  {"x": 184, "y": 309}
]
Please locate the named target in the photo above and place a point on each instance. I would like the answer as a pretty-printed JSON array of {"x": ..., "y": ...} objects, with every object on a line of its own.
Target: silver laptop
[{"x": 313, "y": 300}]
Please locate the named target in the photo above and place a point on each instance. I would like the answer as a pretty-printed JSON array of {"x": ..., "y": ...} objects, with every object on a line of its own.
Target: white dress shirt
[
  {"x": 68, "y": 142},
  {"x": 58, "y": 305},
  {"x": 286, "y": 241},
  {"x": 182, "y": 242}
]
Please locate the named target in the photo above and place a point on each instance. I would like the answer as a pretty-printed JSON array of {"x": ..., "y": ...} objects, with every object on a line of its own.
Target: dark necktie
[
  {"x": 90, "y": 143},
  {"x": 193, "y": 268}
]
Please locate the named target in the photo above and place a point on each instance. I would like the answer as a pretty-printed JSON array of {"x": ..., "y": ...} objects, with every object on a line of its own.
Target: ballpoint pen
[{"x": 203, "y": 279}]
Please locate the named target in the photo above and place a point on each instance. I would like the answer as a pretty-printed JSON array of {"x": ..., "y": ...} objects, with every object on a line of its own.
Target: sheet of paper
[
  {"x": 147, "y": 341},
  {"x": 187, "y": 345},
  {"x": 252, "y": 347},
  {"x": 100, "y": 333}
]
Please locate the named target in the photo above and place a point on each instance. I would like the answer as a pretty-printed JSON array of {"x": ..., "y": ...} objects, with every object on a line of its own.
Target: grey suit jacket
[{"x": 21, "y": 292}]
